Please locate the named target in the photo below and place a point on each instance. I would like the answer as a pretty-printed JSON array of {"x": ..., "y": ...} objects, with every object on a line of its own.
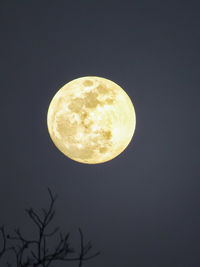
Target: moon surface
[{"x": 91, "y": 120}]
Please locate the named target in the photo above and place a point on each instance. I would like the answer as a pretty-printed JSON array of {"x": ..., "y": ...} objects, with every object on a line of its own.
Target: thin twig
[{"x": 37, "y": 252}]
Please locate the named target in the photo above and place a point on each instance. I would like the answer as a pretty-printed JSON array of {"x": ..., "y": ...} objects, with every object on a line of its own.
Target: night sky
[{"x": 142, "y": 209}]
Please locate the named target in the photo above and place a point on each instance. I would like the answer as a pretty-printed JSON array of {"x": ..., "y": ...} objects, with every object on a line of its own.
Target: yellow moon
[{"x": 91, "y": 120}]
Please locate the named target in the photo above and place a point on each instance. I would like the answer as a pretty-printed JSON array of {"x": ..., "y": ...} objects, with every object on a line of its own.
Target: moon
[{"x": 91, "y": 120}]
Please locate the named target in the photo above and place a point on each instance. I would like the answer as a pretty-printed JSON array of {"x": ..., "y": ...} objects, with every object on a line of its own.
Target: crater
[
  {"x": 83, "y": 115},
  {"x": 64, "y": 125},
  {"x": 103, "y": 150},
  {"x": 106, "y": 134},
  {"x": 102, "y": 89},
  {"x": 109, "y": 101},
  {"x": 87, "y": 83},
  {"x": 91, "y": 100},
  {"x": 76, "y": 104}
]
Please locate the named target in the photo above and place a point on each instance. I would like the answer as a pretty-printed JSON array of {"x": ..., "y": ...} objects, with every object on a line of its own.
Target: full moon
[{"x": 91, "y": 120}]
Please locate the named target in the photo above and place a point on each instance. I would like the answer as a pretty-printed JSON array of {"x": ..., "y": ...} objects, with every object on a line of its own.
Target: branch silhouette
[
  {"x": 3, "y": 235},
  {"x": 37, "y": 252}
]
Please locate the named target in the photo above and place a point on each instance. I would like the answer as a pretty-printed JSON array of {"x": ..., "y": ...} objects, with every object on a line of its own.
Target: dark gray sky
[{"x": 141, "y": 209}]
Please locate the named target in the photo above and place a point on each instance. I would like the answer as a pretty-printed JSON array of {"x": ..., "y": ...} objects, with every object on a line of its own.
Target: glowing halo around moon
[{"x": 91, "y": 120}]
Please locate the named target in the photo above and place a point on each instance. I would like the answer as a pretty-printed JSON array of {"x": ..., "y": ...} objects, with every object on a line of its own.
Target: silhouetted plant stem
[
  {"x": 2, "y": 231},
  {"x": 37, "y": 252}
]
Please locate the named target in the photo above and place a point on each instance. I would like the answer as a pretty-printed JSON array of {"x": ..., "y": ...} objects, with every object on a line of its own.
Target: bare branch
[
  {"x": 38, "y": 251},
  {"x": 3, "y": 250}
]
